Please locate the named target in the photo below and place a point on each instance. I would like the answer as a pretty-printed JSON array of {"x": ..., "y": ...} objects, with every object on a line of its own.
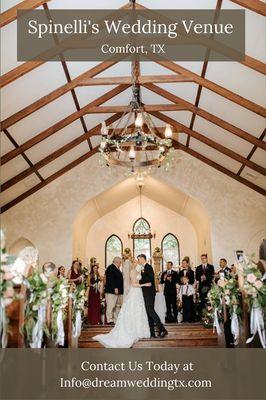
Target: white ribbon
[
  {"x": 77, "y": 325},
  {"x": 60, "y": 337},
  {"x": 37, "y": 332},
  {"x": 216, "y": 324},
  {"x": 257, "y": 325},
  {"x": 235, "y": 327},
  {"x": 3, "y": 324}
]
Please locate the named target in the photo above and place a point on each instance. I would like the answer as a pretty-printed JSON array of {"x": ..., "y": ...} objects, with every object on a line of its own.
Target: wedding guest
[
  {"x": 49, "y": 269},
  {"x": 224, "y": 271},
  {"x": 75, "y": 273},
  {"x": 114, "y": 289},
  {"x": 94, "y": 300},
  {"x": 127, "y": 265},
  {"x": 186, "y": 294},
  {"x": 170, "y": 278},
  {"x": 61, "y": 273},
  {"x": 186, "y": 271},
  {"x": 204, "y": 278}
]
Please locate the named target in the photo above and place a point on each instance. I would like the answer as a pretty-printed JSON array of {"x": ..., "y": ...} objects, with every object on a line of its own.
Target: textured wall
[{"x": 237, "y": 213}]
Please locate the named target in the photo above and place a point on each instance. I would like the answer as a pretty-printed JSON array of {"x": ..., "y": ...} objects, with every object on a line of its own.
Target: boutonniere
[{"x": 142, "y": 269}]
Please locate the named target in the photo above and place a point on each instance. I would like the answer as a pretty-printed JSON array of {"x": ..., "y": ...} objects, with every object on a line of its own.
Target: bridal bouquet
[
  {"x": 35, "y": 326},
  {"x": 59, "y": 300},
  {"x": 79, "y": 297},
  {"x": 255, "y": 291}
]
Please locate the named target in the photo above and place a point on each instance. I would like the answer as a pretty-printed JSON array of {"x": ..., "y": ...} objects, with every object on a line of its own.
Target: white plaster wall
[
  {"x": 120, "y": 222},
  {"x": 237, "y": 213}
]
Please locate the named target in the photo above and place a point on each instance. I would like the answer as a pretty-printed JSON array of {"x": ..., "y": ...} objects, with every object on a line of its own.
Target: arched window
[
  {"x": 170, "y": 250},
  {"x": 142, "y": 244},
  {"x": 113, "y": 248}
]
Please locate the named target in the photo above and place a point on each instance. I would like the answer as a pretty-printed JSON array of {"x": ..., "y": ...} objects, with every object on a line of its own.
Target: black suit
[
  {"x": 189, "y": 273},
  {"x": 114, "y": 280},
  {"x": 147, "y": 276},
  {"x": 170, "y": 279},
  {"x": 204, "y": 285}
]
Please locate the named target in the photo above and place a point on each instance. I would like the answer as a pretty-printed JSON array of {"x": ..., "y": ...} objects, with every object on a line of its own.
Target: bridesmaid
[
  {"x": 94, "y": 302},
  {"x": 75, "y": 273}
]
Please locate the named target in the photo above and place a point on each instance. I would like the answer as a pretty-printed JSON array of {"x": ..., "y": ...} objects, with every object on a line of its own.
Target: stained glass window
[
  {"x": 142, "y": 246},
  {"x": 170, "y": 250},
  {"x": 113, "y": 248}
]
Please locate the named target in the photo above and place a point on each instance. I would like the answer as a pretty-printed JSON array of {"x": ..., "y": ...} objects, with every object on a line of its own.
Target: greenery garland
[
  {"x": 37, "y": 296},
  {"x": 79, "y": 297},
  {"x": 253, "y": 286},
  {"x": 59, "y": 302}
]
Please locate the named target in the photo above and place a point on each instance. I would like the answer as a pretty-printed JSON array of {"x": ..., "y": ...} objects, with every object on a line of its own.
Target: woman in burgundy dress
[
  {"x": 75, "y": 273},
  {"x": 94, "y": 303}
]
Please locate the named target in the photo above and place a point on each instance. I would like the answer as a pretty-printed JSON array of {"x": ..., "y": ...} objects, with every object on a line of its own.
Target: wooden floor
[{"x": 179, "y": 335}]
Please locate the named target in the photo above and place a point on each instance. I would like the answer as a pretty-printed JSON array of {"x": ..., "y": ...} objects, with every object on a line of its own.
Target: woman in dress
[
  {"x": 132, "y": 322},
  {"x": 75, "y": 273},
  {"x": 127, "y": 265},
  {"x": 94, "y": 301}
]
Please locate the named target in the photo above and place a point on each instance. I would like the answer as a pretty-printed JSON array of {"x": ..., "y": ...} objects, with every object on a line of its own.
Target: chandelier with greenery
[{"x": 135, "y": 142}]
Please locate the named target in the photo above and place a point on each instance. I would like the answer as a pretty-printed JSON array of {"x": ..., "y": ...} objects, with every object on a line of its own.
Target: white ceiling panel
[
  {"x": 6, "y": 145},
  {"x": 12, "y": 168},
  {"x": 231, "y": 112},
  {"x": 67, "y": 158},
  {"x": 259, "y": 157},
  {"x": 223, "y": 137},
  {"x": 43, "y": 118},
  {"x": 215, "y": 155}
]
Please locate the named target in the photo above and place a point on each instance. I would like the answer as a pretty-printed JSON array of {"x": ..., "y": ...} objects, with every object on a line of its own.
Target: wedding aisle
[{"x": 181, "y": 335}]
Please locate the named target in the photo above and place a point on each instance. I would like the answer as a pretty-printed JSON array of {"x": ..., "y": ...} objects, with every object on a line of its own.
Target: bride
[{"x": 132, "y": 322}]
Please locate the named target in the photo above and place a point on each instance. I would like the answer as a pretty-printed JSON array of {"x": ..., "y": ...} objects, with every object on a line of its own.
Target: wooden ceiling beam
[
  {"x": 207, "y": 84},
  {"x": 61, "y": 124},
  {"x": 220, "y": 168},
  {"x": 209, "y": 142},
  {"x": 48, "y": 180},
  {"x": 208, "y": 116},
  {"x": 253, "y": 5},
  {"x": 10, "y": 15},
  {"x": 262, "y": 136},
  {"x": 18, "y": 116},
  {"x": 146, "y": 107},
  {"x": 58, "y": 153},
  {"x": 120, "y": 80}
]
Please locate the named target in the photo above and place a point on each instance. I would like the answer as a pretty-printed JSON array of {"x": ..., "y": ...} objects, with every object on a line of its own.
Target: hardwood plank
[
  {"x": 11, "y": 14},
  {"x": 253, "y": 5},
  {"x": 209, "y": 142},
  {"x": 61, "y": 124},
  {"x": 48, "y": 180},
  {"x": 18, "y": 116},
  {"x": 119, "y": 80},
  {"x": 208, "y": 116},
  {"x": 147, "y": 107},
  {"x": 53, "y": 156},
  {"x": 207, "y": 84},
  {"x": 262, "y": 136}
]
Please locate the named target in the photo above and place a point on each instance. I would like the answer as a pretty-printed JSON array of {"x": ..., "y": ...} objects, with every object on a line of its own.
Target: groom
[{"x": 147, "y": 276}]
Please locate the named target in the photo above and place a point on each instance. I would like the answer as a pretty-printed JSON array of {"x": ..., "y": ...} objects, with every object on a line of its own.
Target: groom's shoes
[
  {"x": 153, "y": 336},
  {"x": 162, "y": 332}
]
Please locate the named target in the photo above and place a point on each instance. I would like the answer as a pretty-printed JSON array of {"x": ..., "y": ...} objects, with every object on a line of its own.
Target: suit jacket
[
  {"x": 190, "y": 274},
  {"x": 169, "y": 285},
  {"x": 226, "y": 271},
  {"x": 147, "y": 276},
  {"x": 114, "y": 280},
  {"x": 209, "y": 273}
]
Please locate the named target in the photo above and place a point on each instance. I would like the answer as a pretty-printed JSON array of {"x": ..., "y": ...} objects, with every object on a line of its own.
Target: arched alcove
[
  {"x": 165, "y": 195},
  {"x": 18, "y": 245}
]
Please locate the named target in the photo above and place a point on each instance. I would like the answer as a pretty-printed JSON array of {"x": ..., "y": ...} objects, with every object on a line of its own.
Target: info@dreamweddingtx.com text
[{"x": 168, "y": 379}]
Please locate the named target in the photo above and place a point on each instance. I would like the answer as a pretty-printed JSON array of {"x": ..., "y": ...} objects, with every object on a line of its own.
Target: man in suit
[
  {"x": 113, "y": 290},
  {"x": 224, "y": 271},
  {"x": 169, "y": 278},
  {"x": 204, "y": 278},
  {"x": 147, "y": 276}
]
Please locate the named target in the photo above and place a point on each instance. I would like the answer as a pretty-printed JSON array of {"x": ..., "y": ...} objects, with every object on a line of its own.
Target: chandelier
[{"x": 135, "y": 142}]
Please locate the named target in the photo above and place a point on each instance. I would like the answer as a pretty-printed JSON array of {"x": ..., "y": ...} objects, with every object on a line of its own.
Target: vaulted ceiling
[{"x": 52, "y": 111}]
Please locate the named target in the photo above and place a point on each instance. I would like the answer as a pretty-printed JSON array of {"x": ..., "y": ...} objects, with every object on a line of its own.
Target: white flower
[
  {"x": 227, "y": 291},
  {"x": 251, "y": 278},
  {"x": 258, "y": 284}
]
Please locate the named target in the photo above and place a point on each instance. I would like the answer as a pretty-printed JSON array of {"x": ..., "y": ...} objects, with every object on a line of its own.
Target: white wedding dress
[{"x": 132, "y": 322}]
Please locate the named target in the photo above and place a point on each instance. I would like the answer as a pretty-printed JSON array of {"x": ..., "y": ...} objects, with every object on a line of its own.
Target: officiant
[
  {"x": 114, "y": 289},
  {"x": 170, "y": 278}
]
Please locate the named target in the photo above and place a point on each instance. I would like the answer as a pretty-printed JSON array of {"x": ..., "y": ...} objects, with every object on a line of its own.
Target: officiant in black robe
[
  {"x": 170, "y": 279},
  {"x": 147, "y": 276}
]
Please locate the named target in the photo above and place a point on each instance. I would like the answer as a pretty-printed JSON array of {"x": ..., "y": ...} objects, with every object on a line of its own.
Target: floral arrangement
[
  {"x": 255, "y": 296},
  {"x": 79, "y": 298},
  {"x": 59, "y": 301},
  {"x": 35, "y": 311}
]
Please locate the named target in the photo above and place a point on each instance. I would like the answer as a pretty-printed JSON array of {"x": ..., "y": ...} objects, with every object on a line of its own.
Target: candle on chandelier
[
  {"x": 132, "y": 154},
  {"x": 139, "y": 121},
  {"x": 168, "y": 133}
]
